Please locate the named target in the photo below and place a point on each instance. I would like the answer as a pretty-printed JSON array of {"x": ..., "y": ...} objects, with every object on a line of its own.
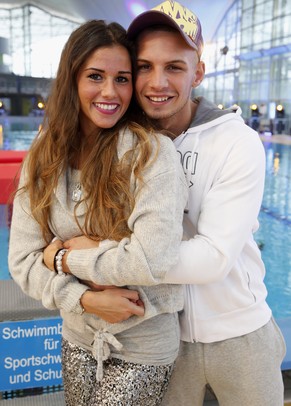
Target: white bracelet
[{"x": 58, "y": 261}]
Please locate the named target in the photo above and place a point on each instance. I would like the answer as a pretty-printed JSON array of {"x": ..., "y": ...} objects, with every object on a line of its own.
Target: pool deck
[{"x": 277, "y": 139}]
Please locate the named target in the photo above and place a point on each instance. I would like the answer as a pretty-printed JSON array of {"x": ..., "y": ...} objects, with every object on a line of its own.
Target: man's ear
[{"x": 199, "y": 74}]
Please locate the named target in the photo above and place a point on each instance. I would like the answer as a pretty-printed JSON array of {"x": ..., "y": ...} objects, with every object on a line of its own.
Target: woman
[{"x": 95, "y": 172}]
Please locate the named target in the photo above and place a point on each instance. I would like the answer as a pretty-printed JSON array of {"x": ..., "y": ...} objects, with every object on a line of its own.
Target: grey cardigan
[{"x": 142, "y": 259}]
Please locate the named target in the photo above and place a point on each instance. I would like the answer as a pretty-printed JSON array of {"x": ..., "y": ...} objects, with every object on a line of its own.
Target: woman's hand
[
  {"x": 113, "y": 305},
  {"x": 50, "y": 252}
]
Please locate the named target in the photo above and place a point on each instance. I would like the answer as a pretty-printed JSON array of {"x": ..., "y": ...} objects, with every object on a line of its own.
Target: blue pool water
[
  {"x": 273, "y": 236},
  {"x": 275, "y": 228}
]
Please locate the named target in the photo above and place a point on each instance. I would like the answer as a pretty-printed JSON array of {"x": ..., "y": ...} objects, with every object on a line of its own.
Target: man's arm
[{"x": 228, "y": 216}]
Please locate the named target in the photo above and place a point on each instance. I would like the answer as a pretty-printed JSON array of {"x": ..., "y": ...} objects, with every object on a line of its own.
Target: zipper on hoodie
[
  {"x": 190, "y": 315},
  {"x": 191, "y": 311}
]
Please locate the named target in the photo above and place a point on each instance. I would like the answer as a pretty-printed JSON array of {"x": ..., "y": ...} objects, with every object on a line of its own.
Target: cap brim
[{"x": 151, "y": 18}]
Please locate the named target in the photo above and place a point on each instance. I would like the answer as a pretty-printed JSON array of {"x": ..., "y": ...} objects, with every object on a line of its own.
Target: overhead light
[{"x": 135, "y": 7}]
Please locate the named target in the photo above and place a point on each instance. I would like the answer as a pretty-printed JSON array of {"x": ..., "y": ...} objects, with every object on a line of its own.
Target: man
[{"x": 229, "y": 338}]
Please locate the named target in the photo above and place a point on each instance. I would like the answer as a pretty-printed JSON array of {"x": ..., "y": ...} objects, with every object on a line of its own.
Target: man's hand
[
  {"x": 79, "y": 243},
  {"x": 113, "y": 305},
  {"x": 75, "y": 243},
  {"x": 95, "y": 286}
]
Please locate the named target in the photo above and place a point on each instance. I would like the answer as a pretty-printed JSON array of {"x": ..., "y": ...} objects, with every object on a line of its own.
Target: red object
[
  {"x": 10, "y": 162},
  {"x": 11, "y": 156}
]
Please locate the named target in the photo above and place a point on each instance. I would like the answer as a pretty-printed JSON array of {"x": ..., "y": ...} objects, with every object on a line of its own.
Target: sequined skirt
[{"x": 123, "y": 384}]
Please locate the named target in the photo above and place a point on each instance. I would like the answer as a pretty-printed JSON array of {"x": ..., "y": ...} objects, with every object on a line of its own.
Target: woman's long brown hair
[{"x": 104, "y": 178}]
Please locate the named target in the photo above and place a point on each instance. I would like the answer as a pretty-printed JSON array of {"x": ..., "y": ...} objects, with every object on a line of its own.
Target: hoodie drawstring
[{"x": 101, "y": 349}]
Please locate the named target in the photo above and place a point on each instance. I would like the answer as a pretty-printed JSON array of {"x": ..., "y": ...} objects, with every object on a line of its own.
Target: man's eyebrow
[
  {"x": 122, "y": 72},
  {"x": 172, "y": 61}
]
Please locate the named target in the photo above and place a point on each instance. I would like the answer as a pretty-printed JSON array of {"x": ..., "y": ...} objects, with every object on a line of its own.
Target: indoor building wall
[
  {"x": 249, "y": 59},
  {"x": 29, "y": 30}
]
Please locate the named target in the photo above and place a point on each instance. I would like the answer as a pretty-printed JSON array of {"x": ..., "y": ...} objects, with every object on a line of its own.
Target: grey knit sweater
[{"x": 142, "y": 259}]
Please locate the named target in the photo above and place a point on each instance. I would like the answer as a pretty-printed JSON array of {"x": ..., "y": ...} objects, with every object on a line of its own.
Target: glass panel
[
  {"x": 246, "y": 4},
  {"x": 247, "y": 18},
  {"x": 263, "y": 12},
  {"x": 34, "y": 34}
]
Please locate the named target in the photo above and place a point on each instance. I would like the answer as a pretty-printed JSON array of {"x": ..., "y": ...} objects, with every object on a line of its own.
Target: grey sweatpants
[{"x": 244, "y": 370}]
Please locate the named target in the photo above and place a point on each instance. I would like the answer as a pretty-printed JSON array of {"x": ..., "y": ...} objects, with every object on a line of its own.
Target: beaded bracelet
[
  {"x": 58, "y": 266},
  {"x": 55, "y": 257}
]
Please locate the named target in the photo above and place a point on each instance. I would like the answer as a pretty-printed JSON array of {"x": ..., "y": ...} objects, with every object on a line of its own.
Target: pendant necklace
[
  {"x": 77, "y": 189},
  {"x": 77, "y": 192}
]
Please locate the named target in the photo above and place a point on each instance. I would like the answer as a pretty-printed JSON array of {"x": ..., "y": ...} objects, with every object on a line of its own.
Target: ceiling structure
[{"x": 210, "y": 12}]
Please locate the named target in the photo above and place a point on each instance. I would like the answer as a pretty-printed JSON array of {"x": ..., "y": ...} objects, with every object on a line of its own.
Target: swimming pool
[{"x": 273, "y": 236}]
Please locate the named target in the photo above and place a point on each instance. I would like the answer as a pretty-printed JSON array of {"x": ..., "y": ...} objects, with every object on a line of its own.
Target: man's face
[{"x": 167, "y": 70}]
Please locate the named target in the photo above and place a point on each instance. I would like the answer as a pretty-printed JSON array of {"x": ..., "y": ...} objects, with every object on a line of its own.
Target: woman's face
[{"x": 104, "y": 88}]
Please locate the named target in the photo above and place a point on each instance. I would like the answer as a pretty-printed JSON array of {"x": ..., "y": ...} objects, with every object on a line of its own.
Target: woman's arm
[
  {"x": 156, "y": 224},
  {"x": 63, "y": 292}
]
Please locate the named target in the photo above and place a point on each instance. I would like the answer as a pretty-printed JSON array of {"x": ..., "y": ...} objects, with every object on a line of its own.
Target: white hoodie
[{"x": 224, "y": 163}]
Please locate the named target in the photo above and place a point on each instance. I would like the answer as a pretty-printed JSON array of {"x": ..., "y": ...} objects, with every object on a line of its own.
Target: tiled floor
[{"x": 287, "y": 386}]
